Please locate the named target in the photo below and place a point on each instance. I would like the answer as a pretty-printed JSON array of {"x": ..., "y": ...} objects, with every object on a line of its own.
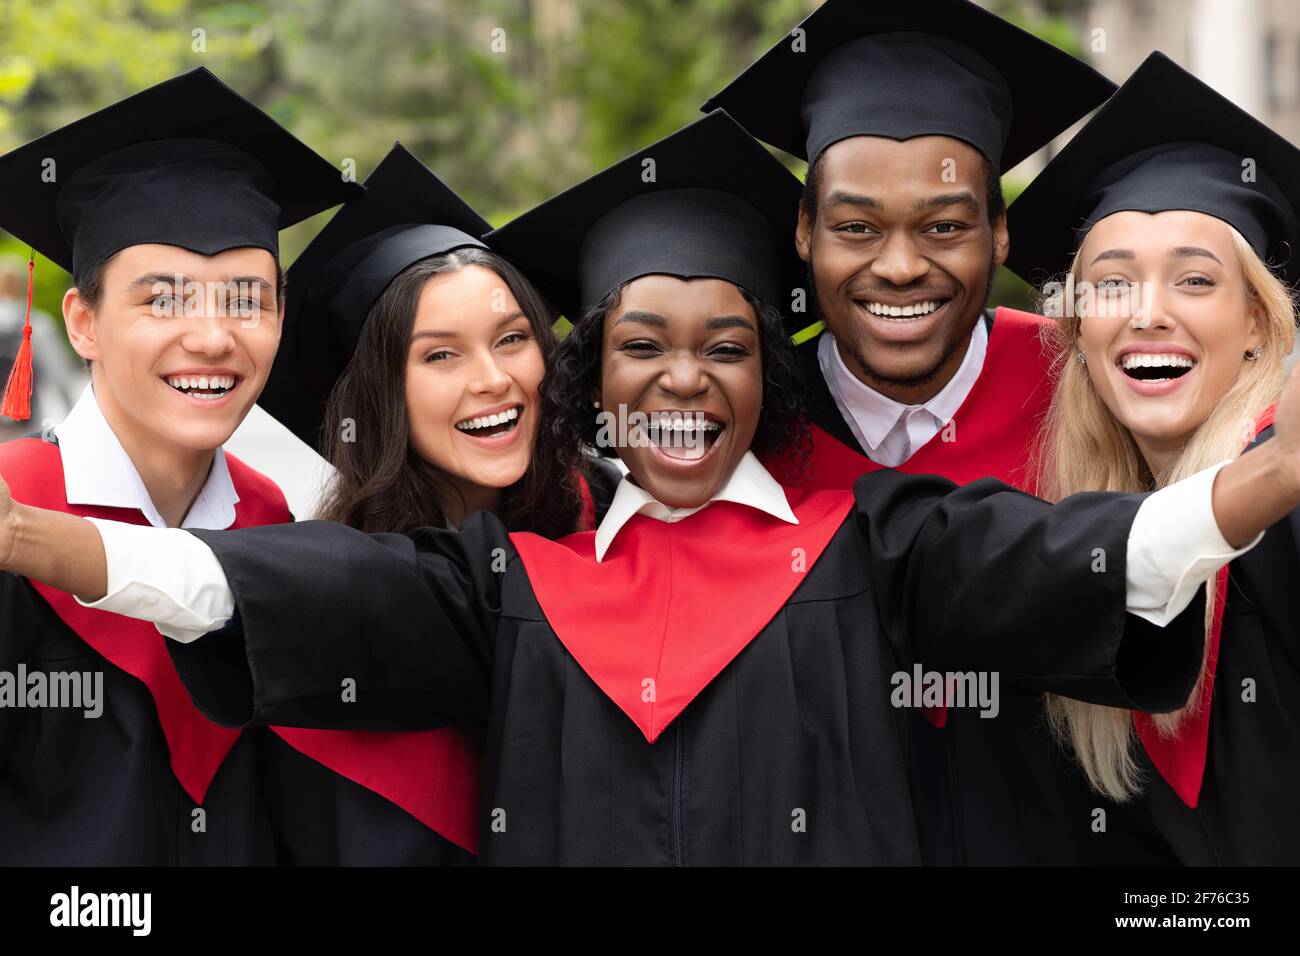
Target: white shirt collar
[
  {"x": 750, "y": 484},
  {"x": 872, "y": 415},
  {"x": 98, "y": 472}
]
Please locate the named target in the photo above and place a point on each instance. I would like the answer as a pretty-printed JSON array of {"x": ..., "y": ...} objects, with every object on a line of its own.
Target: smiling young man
[
  {"x": 907, "y": 116},
  {"x": 166, "y": 209},
  {"x": 706, "y": 678}
]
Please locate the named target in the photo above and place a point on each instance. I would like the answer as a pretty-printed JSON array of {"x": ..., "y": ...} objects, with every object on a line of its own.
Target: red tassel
[{"x": 17, "y": 402}]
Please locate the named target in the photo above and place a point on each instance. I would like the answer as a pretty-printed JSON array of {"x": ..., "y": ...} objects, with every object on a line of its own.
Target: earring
[
  {"x": 595, "y": 404},
  {"x": 1083, "y": 359},
  {"x": 1254, "y": 354}
]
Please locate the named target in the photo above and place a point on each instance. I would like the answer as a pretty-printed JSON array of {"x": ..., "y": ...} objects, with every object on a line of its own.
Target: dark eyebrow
[
  {"x": 151, "y": 279},
  {"x": 729, "y": 322},
  {"x": 1190, "y": 251},
  {"x": 645, "y": 318},
  {"x": 260, "y": 281},
  {"x": 964, "y": 199},
  {"x": 440, "y": 334},
  {"x": 1115, "y": 254},
  {"x": 840, "y": 198},
  {"x": 170, "y": 279}
]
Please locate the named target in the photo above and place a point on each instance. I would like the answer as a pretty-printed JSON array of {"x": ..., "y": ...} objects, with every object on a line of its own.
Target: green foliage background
[{"x": 579, "y": 83}]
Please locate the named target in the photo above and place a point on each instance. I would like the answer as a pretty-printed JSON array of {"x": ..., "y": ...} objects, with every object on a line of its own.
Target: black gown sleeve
[
  {"x": 985, "y": 577},
  {"x": 407, "y": 621}
]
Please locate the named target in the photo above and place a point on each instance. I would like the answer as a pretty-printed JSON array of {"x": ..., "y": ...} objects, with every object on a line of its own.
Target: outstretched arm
[
  {"x": 1067, "y": 597},
  {"x": 336, "y": 628},
  {"x": 340, "y": 629},
  {"x": 61, "y": 550}
]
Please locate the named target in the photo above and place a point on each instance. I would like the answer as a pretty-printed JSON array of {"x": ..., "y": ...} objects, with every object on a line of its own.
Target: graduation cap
[
  {"x": 705, "y": 201},
  {"x": 188, "y": 162},
  {"x": 921, "y": 68},
  {"x": 406, "y": 214},
  {"x": 1165, "y": 141}
]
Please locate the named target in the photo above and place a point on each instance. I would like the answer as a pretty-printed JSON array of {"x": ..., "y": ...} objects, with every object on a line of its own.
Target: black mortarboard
[
  {"x": 920, "y": 68},
  {"x": 406, "y": 214},
  {"x": 1165, "y": 141},
  {"x": 188, "y": 162},
  {"x": 717, "y": 204}
]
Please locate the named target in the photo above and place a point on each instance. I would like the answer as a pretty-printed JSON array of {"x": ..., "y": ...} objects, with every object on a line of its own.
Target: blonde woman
[{"x": 1172, "y": 330}]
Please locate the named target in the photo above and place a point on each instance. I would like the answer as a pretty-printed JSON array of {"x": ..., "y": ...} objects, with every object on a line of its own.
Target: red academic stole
[
  {"x": 1180, "y": 759},
  {"x": 992, "y": 434},
  {"x": 433, "y": 775},
  {"x": 649, "y": 624}
]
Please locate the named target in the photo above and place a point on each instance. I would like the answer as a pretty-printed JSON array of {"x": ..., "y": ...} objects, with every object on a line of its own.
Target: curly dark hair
[{"x": 573, "y": 377}]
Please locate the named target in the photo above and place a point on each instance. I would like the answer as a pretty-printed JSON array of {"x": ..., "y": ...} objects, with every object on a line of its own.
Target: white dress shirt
[
  {"x": 889, "y": 431},
  {"x": 750, "y": 484},
  {"x": 174, "y": 580},
  {"x": 98, "y": 472}
]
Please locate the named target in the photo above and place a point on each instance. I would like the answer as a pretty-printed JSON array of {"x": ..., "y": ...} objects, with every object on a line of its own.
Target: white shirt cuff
[
  {"x": 1174, "y": 547},
  {"x": 165, "y": 576}
]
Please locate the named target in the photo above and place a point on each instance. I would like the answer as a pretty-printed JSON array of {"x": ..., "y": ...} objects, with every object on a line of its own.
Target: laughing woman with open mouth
[
  {"x": 707, "y": 677},
  {"x": 1174, "y": 367},
  {"x": 412, "y": 357}
]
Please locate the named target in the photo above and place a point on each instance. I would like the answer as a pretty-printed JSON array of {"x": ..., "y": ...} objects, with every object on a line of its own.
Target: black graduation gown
[
  {"x": 998, "y": 791},
  {"x": 103, "y": 791},
  {"x": 100, "y": 792},
  {"x": 790, "y": 753},
  {"x": 1245, "y": 811},
  {"x": 322, "y": 818}
]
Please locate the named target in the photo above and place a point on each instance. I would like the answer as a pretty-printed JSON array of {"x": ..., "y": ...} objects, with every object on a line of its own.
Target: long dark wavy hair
[
  {"x": 382, "y": 483},
  {"x": 573, "y": 377}
]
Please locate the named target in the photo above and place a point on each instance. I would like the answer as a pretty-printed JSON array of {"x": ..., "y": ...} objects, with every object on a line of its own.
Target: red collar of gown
[{"x": 650, "y": 624}]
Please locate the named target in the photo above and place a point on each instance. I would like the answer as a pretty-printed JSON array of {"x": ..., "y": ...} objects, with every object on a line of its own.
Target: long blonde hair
[{"x": 1086, "y": 448}]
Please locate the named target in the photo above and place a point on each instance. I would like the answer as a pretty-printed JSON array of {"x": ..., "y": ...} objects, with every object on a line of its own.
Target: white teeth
[
  {"x": 488, "y": 421},
  {"x": 676, "y": 422},
  {"x": 1151, "y": 360},
  {"x": 187, "y": 382},
  {"x": 901, "y": 311}
]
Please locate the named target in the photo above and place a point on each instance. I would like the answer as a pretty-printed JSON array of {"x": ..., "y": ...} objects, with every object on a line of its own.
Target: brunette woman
[{"x": 411, "y": 356}]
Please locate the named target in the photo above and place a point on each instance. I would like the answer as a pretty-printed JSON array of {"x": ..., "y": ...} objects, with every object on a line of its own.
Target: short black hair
[{"x": 993, "y": 199}]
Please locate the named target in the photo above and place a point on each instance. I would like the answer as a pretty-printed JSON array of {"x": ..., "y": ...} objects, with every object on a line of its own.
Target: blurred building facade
[{"x": 1249, "y": 50}]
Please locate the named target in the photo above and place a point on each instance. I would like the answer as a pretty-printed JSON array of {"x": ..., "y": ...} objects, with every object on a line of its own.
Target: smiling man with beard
[
  {"x": 705, "y": 677},
  {"x": 907, "y": 117}
]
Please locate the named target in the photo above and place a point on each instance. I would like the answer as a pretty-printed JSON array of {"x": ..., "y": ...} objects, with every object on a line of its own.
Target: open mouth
[
  {"x": 1153, "y": 367},
  {"x": 901, "y": 313},
  {"x": 686, "y": 436},
  {"x": 203, "y": 387},
  {"x": 492, "y": 426}
]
